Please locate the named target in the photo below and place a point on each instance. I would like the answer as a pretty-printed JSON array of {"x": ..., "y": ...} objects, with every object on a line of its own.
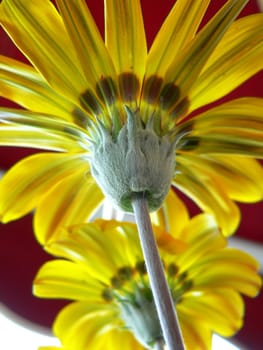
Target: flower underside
[
  {"x": 131, "y": 292},
  {"x": 100, "y": 267},
  {"x": 138, "y": 161},
  {"x": 92, "y": 99}
]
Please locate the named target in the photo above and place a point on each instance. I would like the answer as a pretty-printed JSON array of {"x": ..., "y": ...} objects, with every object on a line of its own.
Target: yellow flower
[
  {"x": 102, "y": 270},
  {"x": 117, "y": 110}
]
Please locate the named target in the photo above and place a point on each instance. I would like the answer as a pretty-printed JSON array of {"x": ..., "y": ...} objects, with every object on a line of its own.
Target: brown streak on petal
[
  {"x": 191, "y": 143},
  {"x": 169, "y": 96},
  {"x": 80, "y": 118},
  {"x": 152, "y": 88},
  {"x": 129, "y": 86},
  {"x": 106, "y": 90},
  {"x": 180, "y": 109},
  {"x": 70, "y": 131},
  {"x": 89, "y": 102}
]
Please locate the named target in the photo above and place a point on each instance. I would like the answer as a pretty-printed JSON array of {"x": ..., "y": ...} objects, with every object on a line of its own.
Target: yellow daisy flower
[
  {"x": 120, "y": 111},
  {"x": 102, "y": 270}
]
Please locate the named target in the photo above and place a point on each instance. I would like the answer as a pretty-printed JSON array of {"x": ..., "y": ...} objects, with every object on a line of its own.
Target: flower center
[{"x": 129, "y": 289}]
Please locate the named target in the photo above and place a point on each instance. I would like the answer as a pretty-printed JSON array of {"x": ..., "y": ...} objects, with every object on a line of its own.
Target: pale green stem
[
  {"x": 159, "y": 345},
  {"x": 161, "y": 294},
  {"x": 260, "y": 4}
]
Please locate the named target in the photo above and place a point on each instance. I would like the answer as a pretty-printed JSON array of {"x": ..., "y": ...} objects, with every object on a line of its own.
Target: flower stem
[
  {"x": 159, "y": 345},
  {"x": 161, "y": 293},
  {"x": 260, "y": 4}
]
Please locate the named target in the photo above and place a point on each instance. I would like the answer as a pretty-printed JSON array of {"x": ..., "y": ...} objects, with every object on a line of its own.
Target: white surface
[
  {"x": 253, "y": 248},
  {"x": 16, "y": 334},
  {"x": 222, "y": 344}
]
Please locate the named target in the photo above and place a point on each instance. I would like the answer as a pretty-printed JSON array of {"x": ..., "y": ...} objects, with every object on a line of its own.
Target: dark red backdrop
[{"x": 21, "y": 256}]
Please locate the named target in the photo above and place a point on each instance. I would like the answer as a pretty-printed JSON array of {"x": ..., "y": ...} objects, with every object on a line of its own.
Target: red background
[{"x": 21, "y": 256}]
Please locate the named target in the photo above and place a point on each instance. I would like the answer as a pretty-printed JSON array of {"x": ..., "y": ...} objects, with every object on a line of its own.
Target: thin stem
[
  {"x": 161, "y": 293},
  {"x": 159, "y": 345},
  {"x": 260, "y": 4}
]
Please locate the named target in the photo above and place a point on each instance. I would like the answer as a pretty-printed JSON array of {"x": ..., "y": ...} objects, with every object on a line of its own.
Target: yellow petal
[
  {"x": 184, "y": 70},
  {"x": 126, "y": 42},
  {"x": 177, "y": 31},
  {"x": 23, "y": 185},
  {"x": 22, "y": 84},
  {"x": 23, "y": 128},
  {"x": 220, "y": 310},
  {"x": 167, "y": 243},
  {"x": 237, "y": 57},
  {"x": 117, "y": 339},
  {"x": 87, "y": 40},
  {"x": 208, "y": 193},
  {"x": 234, "y": 127},
  {"x": 241, "y": 177},
  {"x": 99, "y": 70},
  {"x": 133, "y": 251},
  {"x": 202, "y": 237},
  {"x": 33, "y": 138},
  {"x": 172, "y": 216},
  {"x": 37, "y": 29},
  {"x": 79, "y": 245},
  {"x": 70, "y": 201},
  {"x": 233, "y": 142},
  {"x": 226, "y": 269},
  {"x": 104, "y": 243},
  {"x": 196, "y": 335},
  {"x": 79, "y": 323},
  {"x": 66, "y": 280}
]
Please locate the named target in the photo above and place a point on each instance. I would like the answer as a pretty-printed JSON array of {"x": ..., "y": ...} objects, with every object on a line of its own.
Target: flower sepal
[
  {"x": 140, "y": 317},
  {"x": 137, "y": 161}
]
